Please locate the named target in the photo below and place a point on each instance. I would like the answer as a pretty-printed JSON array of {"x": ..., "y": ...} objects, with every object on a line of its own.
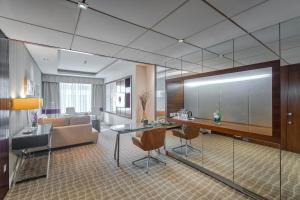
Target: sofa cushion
[
  {"x": 56, "y": 122},
  {"x": 80, "y": 120}
]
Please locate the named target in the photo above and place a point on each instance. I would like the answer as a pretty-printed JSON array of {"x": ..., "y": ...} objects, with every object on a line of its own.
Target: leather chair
[
  {"x": 187, "y": 133},
  {"x": 150, "y": 140}
]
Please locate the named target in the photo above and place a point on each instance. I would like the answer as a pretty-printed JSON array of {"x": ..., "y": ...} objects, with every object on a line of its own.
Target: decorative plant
[
  {"x": 34, "y": 119},
  {"x": 144, "y": 99}
]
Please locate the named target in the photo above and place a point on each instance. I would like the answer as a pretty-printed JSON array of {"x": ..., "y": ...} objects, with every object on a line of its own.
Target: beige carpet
[
  {"x": 89, "y": 172},
  {"x": 252, "y": 166}
]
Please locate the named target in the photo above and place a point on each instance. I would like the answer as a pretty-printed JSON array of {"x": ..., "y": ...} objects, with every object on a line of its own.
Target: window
[
  {"x": 118, "y": 97},
  {"x": 75, "y": 95}
]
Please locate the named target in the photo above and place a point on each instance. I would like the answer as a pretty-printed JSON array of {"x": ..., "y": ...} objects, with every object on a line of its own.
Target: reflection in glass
[
  {"x": 217, "y": 154},
  {"x": 290, "y": 41},
  {"x": 257, "y": 167},
  {"x": 290, "y": 175}
]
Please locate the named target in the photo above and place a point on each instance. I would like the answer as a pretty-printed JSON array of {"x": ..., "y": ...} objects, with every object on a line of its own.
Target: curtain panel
[
  {"x": 97, "y": 95},
  {"x": 76, "y": 95},
  {"x": 51, "y": 98}
]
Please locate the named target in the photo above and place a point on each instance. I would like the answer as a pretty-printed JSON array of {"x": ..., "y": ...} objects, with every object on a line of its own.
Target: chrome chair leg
[
  {"x": 186, "y": 146},
  {"x": 148, "y": 158},
  {"x": 181, "y": 145},
  {"x": 148, "y": 162}
]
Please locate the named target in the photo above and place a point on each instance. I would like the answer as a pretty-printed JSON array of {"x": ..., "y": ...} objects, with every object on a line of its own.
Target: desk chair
[
  {"x": 187, "y": 133},
  {"x": 150, "y": 140}
]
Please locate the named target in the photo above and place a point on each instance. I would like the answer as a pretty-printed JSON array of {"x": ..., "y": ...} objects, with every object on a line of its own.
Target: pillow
[{"x": 80, "y": 120}]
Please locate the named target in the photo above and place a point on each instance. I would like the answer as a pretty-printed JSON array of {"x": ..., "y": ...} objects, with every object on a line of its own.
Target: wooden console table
[{"x": 230, "y": 129}]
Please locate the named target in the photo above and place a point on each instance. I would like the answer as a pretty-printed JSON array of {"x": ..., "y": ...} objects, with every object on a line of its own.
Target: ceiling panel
[
  {"x": 42, "y": 12},
  {"x": 132, "y": 54},
  {"x": 96, "y": 47},
  {"x": 233, "y": 7},
  {"x": 82, "y": 62},
  {"x": 142, "y": 12},
  {"x": 267, "y": 14},
  {"x": 45, "y": 57},
  {"x": 152, "y": 41},
  {"x": 220, "y": 32},
  {"x": 29, "y": 33},
  {"x": 156, "y": 59},
  {"x": 102, "y": 27},
  {"x": 189, "y": 19},
  {"x": 178, "y": 49},
  {"x": 118, "y": 69},
  {"x": 195, "y": 57},
  {"x": 178, "y": 64}
]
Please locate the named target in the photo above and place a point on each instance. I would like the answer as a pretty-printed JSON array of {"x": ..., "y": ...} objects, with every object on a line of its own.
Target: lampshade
[{"x": 26, "y": 103}]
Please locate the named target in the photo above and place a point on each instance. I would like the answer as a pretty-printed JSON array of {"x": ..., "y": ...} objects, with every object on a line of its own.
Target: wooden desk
[{"x": 231, "y": 129}]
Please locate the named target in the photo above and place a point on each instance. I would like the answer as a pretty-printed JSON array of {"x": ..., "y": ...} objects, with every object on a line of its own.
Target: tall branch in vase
[{"x": 144, "y": 99}]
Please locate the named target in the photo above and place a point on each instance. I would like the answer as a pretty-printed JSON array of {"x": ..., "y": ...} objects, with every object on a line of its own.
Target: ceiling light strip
[{"x": 226, "y": 80}]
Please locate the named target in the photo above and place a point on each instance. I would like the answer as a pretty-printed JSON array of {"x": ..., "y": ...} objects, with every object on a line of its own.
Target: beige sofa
[{"x": 71, "y": 131}]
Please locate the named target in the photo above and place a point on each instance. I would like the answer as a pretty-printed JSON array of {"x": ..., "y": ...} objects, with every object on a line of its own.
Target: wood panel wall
[{"x": 175, "y": 96}]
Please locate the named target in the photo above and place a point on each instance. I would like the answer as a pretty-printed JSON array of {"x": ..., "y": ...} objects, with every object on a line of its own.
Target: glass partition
[
  {"x": 257, "y": 166},
  {"x": 217, "y": 154},
  {"x": 290, "y": 41},
  {"x": 160, "y": 92}
]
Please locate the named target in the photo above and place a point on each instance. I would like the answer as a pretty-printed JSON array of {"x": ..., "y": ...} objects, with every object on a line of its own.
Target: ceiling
[{"x": 148, "y": 32}]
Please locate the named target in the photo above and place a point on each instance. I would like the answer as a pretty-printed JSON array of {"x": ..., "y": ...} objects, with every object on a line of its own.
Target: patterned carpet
[
  {"x": 252, "y": 166},
  {"x": 89, "y": 172}
]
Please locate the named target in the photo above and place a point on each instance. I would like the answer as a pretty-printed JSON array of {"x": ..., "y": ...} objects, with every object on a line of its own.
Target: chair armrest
[{"x": 137, "y": 141}]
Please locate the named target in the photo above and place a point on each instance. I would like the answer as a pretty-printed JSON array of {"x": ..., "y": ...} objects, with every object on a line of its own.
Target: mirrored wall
[{"x": 262, "y": 167}]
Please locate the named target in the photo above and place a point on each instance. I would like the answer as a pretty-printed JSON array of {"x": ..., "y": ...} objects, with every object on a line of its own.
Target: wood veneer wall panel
[
  {"x": 283, "y": 107},
  {"x": 175, "y": 96},
  {"x": 276, "y": 99}
]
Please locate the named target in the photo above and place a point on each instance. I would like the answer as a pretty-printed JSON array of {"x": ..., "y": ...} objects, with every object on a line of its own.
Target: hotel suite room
[{"x": 161, "y": 99}]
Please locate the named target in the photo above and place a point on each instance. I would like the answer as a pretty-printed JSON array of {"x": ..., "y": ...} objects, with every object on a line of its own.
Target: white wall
[{"x": 21, "y": 67}]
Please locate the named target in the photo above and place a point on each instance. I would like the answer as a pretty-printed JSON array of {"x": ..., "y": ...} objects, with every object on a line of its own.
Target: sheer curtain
[{"x": 75, "y": 95}]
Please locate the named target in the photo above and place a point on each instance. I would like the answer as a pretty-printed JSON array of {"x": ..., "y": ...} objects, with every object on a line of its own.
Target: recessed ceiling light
[
  {"x": 82, "y": 4},
  {"x": 180, "y": 40}
]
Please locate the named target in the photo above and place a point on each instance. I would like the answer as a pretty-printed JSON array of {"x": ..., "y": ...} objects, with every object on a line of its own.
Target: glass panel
[
  {"x": 270, "y": 37},
  {"x": 249, "y": 51},
  {"x": 219, "y": 56},
  {"x": 160, "y": 92},
  {"x": 290, "y": 41},
  {"x": 257, "y": 167},
  {"x": 118, "y": 97},
  {"x": 217, "y": 154},
  {"x": 290, "y": 175}
]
